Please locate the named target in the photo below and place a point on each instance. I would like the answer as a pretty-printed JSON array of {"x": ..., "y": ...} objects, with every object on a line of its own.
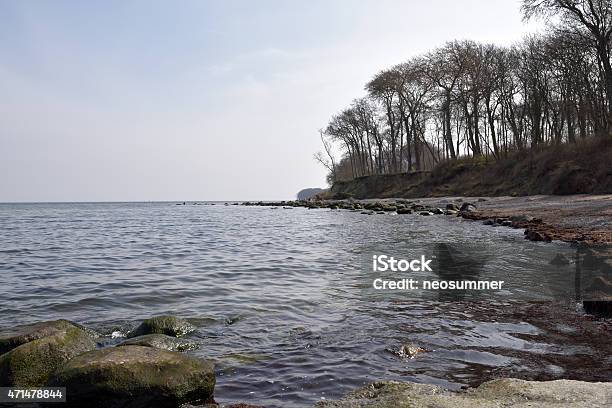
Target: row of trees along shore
[{"x": 472, "y": 99}]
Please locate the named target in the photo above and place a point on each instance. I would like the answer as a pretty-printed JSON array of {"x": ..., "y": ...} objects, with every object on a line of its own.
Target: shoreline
[{"x": 580, "y": 218}]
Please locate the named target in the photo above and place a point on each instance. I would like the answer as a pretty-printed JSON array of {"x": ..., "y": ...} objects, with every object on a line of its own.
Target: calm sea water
[{"x": 283, "y": 298}]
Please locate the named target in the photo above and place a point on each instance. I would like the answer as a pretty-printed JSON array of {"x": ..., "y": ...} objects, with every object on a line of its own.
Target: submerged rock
[
  {"x": 404, "y": 211},
  {"x": 135, "y": 376},
  {"x": 49, "y": 345},
  {"x": 409, "y": 350},
  {"x": 560, "y": 259},
  {"x": 168, "y": 325},
  {"x": 161, "y": 341},
  {"x": 508, "y": 392}
]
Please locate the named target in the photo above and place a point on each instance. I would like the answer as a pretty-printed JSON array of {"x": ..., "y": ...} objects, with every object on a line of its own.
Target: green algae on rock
[
  {"x": 135, "y": 376},
  {"x": 14, "y": 337},
  {"x": 492, "y": 394},
  {"x": 42, "y": 349},
  {"x": 160, "y": 341},
  {"x": 168, "y": 325}
]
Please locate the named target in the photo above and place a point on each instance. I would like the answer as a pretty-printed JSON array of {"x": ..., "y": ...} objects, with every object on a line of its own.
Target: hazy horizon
[{"x": 140, "y": 101}]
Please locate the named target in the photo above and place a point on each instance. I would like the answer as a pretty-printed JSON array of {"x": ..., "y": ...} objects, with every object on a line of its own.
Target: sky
[{"x": 200, "y": 100}]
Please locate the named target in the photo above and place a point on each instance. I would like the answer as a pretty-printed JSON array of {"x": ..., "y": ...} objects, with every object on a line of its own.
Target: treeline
[{"x": 468, "y": 98}]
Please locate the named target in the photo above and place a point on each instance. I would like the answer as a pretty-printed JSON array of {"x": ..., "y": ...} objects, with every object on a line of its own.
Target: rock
[
  {"x": 559, "y": 259},
  {"x": 488, "y": 222},
  {"x": 161, "y": 341},
  {"x": 467, "y": 207},
  {"x": 214, "y": 405},
  {"x": 135, "y": 376},
  {"x": 409, "y": 350},
  {"x": 438, "y": 211},
  {"x": 533, "y": 235},
  {"x": 451, "y": 212},
  {"x": 168, "y": 325},
  {"x": 11, "y": 338},
  {"x": 404, "y": 211},
  {"x": 480, "y": 200},
  {"x": 507, "y": 392},
  {"x": 506, "y": 223},
  {"x": 425, "y": 213},
  {"x": 522, "y": 218},
  {"x": 367, "y": 212},
  {"x": 49, "y": 345},
  {"x": 452, "y": 207}
]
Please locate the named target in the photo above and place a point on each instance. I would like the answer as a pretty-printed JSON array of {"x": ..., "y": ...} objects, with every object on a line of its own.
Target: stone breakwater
[
  {"x": 593, "y": 244},
  {"x": 535, "y": 229}
]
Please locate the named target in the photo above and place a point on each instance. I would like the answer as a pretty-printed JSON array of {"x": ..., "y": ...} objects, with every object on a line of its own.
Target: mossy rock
[
  {"x": 507, "y": 392},
  {"x": 14, "y": 337},
  {"x": 134, "y": 377},
  {"x": 160, "y": 341},
  {"x": 168, "y": 325},
  {"x": 31, "y": 363}
]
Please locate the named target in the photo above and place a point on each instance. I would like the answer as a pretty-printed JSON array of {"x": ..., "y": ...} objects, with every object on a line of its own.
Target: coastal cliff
[{"x": 558, "y": 170}]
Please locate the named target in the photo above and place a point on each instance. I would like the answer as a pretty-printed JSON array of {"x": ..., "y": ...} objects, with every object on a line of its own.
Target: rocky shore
[
  {"x": 582, "y": 220},
  {"x": 146, "y": 370},
  {"x": 507, "y": 392},
  {"x": 576, "y": 218}
]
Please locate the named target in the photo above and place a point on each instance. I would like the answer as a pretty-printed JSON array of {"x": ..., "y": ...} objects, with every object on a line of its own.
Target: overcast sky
[{"x": 199, "y": 100}]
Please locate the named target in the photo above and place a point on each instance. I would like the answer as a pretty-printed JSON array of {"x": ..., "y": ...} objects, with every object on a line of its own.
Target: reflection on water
[{"x": 283, "y": 299}]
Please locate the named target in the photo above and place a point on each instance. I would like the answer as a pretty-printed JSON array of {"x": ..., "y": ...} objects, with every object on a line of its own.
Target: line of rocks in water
[{"x": 533, "y": 226}]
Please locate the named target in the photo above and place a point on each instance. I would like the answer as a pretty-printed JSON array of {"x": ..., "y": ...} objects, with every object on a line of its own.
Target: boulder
[
  {"x": 425, "y": 213},
  {"x": 14, "y": 337},
  {"x": 134, "y": 377},
  {"x": 168, "y": 325},
  {"x": 438, "y": 211},
  {"x": 49, "y": 345},
  {"x": 452, "y": 207},
  {"x": 467, "y": 207},
  {"x": 521, "y": 218},
  {"x": 534, "y": 235},
  {"x": 161, "y": 341},
  {"x": 404, "y": 211}
]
